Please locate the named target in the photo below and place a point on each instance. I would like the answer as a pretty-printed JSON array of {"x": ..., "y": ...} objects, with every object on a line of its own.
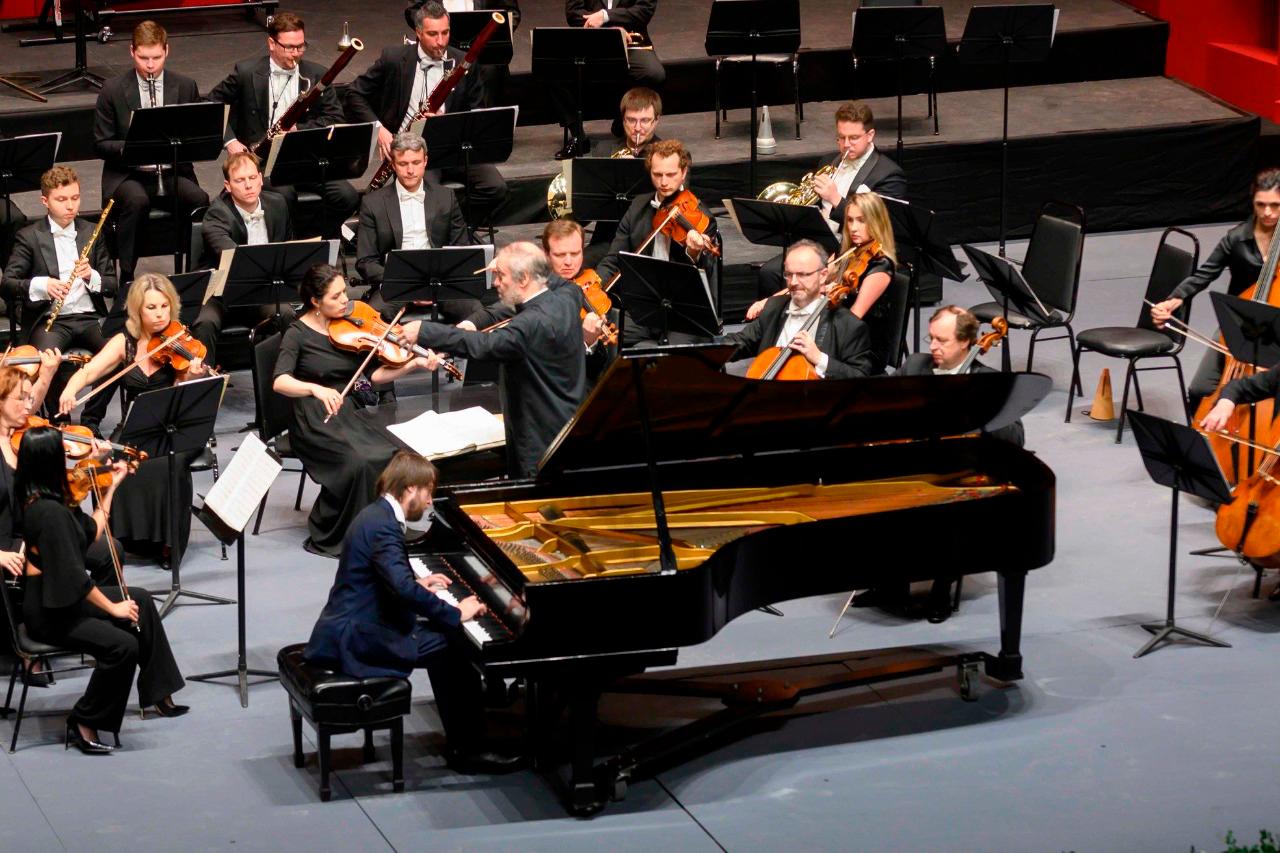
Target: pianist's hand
[
  {"x": 471, "y": 607},
  {"x": 434, "y": 582},
  {"x": 1217, "y": 418}
]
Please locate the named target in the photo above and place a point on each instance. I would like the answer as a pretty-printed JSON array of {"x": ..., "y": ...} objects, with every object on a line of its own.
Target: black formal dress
[
  {"x": 879, "y": 174},
  {"x": 386, "y": 93},
  {"x": 135, "y": 190},
  {"x": 844, "y": 338},
  {"x": 347, "y": 454},
  {"x": 56, "y": 610},
  {"x": 251, "y": 90},
  {"x": 881, "y": 326},
  {"x": 543, "y": 373}
]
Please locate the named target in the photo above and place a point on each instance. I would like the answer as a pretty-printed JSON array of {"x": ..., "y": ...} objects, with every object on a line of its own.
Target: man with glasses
[
  {"x": 640, "y": 110},
  {"x": 838, "y": 347},
  {"x": 261, "y": 89}
]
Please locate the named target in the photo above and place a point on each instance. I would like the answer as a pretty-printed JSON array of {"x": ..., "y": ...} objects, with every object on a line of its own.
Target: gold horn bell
[{"x": 785, "y": 192}]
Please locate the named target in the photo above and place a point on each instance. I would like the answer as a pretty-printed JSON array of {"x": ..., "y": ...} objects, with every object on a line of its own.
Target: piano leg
[
  {"x": 1007, "y": 666},
  {"x": 584, "y": 716}
]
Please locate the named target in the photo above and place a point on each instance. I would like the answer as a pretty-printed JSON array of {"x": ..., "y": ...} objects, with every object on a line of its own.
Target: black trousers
[
  {"x": 340, "y": 201},
  {"x": 135, "y": 197},
  {"x": 215, "y": 314},
  {"x": 455, "y": 684},
  {"x": 485, "y": 189},
  {"x": 82, "y": 330},
  {"x": 116, "y": 648},
  {"x": 646, "y": 70}
]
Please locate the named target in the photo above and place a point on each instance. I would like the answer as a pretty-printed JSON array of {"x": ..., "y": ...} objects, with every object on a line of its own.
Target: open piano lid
[{"x": 696, "y": 411}]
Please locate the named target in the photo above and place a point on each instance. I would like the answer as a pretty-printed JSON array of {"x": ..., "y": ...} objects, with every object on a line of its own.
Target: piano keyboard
[{"x": 483, "y": 629}]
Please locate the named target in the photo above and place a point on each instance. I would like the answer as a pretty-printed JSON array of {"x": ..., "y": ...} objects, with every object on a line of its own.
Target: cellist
[{"x": 1241, "y": 252}]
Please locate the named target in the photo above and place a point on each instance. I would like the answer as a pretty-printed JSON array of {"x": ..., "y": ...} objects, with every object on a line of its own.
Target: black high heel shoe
[
  {"x": 88, "y": 747},
  {"x": 167, "y": 708}
]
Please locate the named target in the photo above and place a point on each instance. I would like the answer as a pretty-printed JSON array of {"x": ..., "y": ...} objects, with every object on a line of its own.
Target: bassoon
[{"x": 306, "y": 100}]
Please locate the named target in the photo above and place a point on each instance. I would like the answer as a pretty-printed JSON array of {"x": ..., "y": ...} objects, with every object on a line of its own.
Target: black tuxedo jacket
[
  {"x": 116, "y": 102},
  {"x": 635, "y": 225},
  {"x": 34, "y": 255},
  {"x": 248, "y": 90},
  {"x": 881, "y": 175},
  {"x": 632, "y": 15},
  {"x": 921, "y": 364},
  {"x": 543, "y": 373},
  {"x": 383, "y": 93},
  {"x": 223, "y": 227},
  {"x": 381, "y": 229},
  {"x": 511, "y": 7},
  {"x": 843, "y": 337}
]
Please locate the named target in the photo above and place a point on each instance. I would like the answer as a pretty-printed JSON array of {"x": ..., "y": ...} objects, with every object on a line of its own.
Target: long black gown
[
  {"x": 347, "y": 454},
  {"x": 883, "y": 329}
]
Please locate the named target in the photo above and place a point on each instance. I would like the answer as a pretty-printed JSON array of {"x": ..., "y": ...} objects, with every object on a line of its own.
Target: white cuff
[
  {"x": 95, "y": 282},
  {"x": 821, "y": 367},
  {"x": 39, "y": 288}
]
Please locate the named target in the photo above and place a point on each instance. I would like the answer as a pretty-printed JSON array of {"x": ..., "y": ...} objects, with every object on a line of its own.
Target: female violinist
[
  {"x": 1240, "y": 253},
  {"x": 344, "y": 454},
  {"x": 63, "y": 606},
  {"x": 141, "y": 518}
]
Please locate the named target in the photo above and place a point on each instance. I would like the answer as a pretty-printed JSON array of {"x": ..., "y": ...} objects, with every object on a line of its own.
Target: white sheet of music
[
  {"x": 436, "y": 435},
  {"x": 242, "y": 484}
]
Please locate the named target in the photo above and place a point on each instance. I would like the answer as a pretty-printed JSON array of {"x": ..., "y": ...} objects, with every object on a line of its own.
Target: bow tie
[
  {"x": 69, "y": 231},
  {"x": 793, "y": 311},
  {"x": 281, "y": 73},
  {"x": 257, "y": 216},
  {"x": 420, "y": 196},
  {"x": 428, "y": 64}
]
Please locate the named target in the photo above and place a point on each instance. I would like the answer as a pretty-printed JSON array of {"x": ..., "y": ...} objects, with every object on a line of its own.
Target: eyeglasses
[
  {"x": 292, "y": 48},
  {"x": 639, "y": 122},
  {"x": 790, "y": 274}
]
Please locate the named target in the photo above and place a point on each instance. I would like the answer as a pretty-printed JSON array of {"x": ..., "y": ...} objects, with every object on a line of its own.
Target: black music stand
[
  {"x": 175, "y": 134},
  {"x": 600, "y": 189},
  {"x": 771, "y": 223},
  {"x": 930, "y": 252},
  {"x": 23, "y": 159},
  {"x": 895, "y": 34},
  {"x": 316, "y": 155},
  {"x": 750, "y": 28},
  {"x": 465, "y": 26},
  {"x": 164, "y": 423},
  {"x": 1003, "y": 35},
  {"x": 1177, "y": 456},
  {"x": 191, "y": 287},
  {"x": 665, "y": 295},
  {"x": 269, "y": 273},
  {"x": 1251, "y": 331},
  {"x": 570, "y": 54},
  {"x": 470, "y": 139},
  {"x": 1006, "y": 285},
  {"x": 80, "y": 73}
]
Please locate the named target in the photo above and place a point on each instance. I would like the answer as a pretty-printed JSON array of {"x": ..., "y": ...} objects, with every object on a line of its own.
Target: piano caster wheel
[
  {"x": 967, "y": 673},
  {"x": 620, "y": 785}
]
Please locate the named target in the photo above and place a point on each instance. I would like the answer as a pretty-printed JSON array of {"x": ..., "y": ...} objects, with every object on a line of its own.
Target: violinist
[
  {"x": 63, "y": 606},
  {"x": 141, "y": 519},
  {"x": 838, "y": 348},
  {"x": 341, "y": 452},
  {"x": 1240, "y": 253}
]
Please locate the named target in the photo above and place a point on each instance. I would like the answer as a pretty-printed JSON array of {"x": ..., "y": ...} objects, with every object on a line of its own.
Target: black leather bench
[{"x": 335, "y": 703}]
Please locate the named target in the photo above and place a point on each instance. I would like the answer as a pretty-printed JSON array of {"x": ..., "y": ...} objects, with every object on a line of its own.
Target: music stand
[
  {"x": 895, "y": 34},
  {"x": 80, "y": 73},
  {"x": 465, "y": 26},
  {"x": 600, "y": 189},
  {"x": 23, "y": 159},
  {"x": 191, "y": 287},
  {"x": 164, "y": 423},
  {"x": 269, "y": 273},
  {"x": 568, "y": 54},
  {"x": 771, "y": 223},
  {"x": 753, "y": 27},
  {"x": 1251, "y": 331},
  {"x": 316, "y": 155},
  {"x": 666, "y": 295},
  {"x": 1006, "y": 285},
  {"x": 175, "y": 134},
  {"x": 469, "y": 139},
  {"x": 1177, "y": 456},
  {"x": 1003, "y": 35},
  {"x": 931, "y": 252}
]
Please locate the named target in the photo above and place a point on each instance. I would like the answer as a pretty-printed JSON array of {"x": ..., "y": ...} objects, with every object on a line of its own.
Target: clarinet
[
  {"x": 442, "y": 91},
  {"x": 56, "y": 308}
]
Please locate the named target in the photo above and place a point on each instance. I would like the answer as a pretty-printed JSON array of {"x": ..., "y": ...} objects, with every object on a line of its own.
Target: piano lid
[{"x": 696, "y": 411}]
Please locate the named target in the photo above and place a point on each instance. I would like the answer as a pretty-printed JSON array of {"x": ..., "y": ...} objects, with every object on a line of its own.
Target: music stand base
[
  {"x": 72, "y": 77},
  {"x": 176, "y": 592},
  {"x": 1166, "y": 631},
  {"x": 241, "y": 674},
  {"x": 1213, "y": 552}
]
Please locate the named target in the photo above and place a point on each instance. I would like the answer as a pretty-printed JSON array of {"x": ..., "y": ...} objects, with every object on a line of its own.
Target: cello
[{"x": 788, "y": 364}]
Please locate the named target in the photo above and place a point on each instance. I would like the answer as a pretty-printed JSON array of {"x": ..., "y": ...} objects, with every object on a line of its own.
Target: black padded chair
[
  {"x": 1052, "y": 270},
  {"x": 1144, "y": 341},
  {"x": 156, "y": 238},
  {"x": 889, "y": 330},
  {"x": 272, "y": 414}
]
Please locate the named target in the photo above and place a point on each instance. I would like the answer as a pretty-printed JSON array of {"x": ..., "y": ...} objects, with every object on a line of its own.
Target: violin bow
[
  {"x": 101, "y": 386},
  {"x": 372, "y": 352},
  {"x": 111, "y": 541}
]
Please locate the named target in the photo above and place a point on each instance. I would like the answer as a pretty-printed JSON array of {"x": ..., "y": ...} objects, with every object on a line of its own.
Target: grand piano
[{"x": 680, "y": 497}]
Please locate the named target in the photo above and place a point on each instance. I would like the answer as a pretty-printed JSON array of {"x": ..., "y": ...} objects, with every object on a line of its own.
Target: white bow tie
[
  {"x": 420, "y": 196},
  {"x": 69, "y": 231},
  {"x": 257, "y": 216},
  {"x": 793, "y": 311}
]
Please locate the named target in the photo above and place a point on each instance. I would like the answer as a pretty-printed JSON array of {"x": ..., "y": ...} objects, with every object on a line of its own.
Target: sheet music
[
  {"x": 243, "y": 484},
  {"x": 436, "y": 435}
]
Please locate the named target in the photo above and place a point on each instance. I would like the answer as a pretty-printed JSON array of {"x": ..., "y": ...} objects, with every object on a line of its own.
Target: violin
[
  {"x": 679, "y": 215},
  {"x": 77, "y": 441},
  {"x": 86, "y": 477},
  {"x": 362, "y": 328},
  {"x": 851, "y": 279},
  {"x": 27, "y": 359},
  {"x": 594, "y": 293},
  {"x": 181, "y": 351}
]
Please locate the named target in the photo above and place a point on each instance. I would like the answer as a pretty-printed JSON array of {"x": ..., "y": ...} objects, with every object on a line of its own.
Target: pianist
[{"x": 382, "y": 621}]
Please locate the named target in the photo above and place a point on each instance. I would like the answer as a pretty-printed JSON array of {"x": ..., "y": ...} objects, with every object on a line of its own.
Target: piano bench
[{"x": 335, "y": 703}]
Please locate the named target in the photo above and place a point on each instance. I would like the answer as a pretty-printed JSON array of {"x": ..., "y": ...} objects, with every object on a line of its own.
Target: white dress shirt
[
  {"x": 144, "y": 91},
  {"x": 78, "y": 300},
  {"x": 413, "y": 218},
  {"x": 796, "y": 318},
  {"x": 845, "y": 173},
  {"x": 255, "y": 222},
  {"x": 282, "y": 91},
  {"x": 398, "y": 510},
  {"x": 459, "y": 5},
  {"x": 422, "y": 88}
]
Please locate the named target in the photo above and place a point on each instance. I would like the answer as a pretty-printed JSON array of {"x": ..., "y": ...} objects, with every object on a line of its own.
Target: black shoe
[
  {"x": 576, "y": 147},
  {"x": 88, "y": 747},
  {"x": 939, "y": 613},
  {"x": 474, "y": 762},
  {"x": 881, "y": 597},
  {"x": 37, "y": 679},
  {"x": 311, "y": 548},
  {"x": 168, "y": 708}
]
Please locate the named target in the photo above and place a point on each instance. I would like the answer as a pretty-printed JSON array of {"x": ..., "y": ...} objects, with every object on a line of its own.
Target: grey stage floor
[{"x": 1092, "y": 751}]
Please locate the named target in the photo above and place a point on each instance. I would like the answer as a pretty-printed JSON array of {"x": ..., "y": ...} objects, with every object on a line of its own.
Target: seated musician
[
  {"x": 860, "y": 168},
  {"x": 493, "y": 77},
  {"x": 644, "y": 66},
  {"x": 408, "y": 213},
  {"x": 543, "y": 371},
  {"x": 243, "y": 215},
  {"x": 136, "y": 188},
  {"x": 261, "y": 89},
  {"x": 838, "y": 348},
  {"x": 397, "y": 86},
  {"x": 81, "y": 285},
  {"x": 1240, "y": 253},
  {"x": 668, "y": 163},
  {"x": 382, "y": 621}
]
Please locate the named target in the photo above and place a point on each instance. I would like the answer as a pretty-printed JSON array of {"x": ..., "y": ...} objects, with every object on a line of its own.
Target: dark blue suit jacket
[{"x": 369, "y": 626}]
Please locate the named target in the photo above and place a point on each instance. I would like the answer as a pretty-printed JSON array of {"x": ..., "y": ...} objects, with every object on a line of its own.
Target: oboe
[{"x": 84, "y": 256}]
